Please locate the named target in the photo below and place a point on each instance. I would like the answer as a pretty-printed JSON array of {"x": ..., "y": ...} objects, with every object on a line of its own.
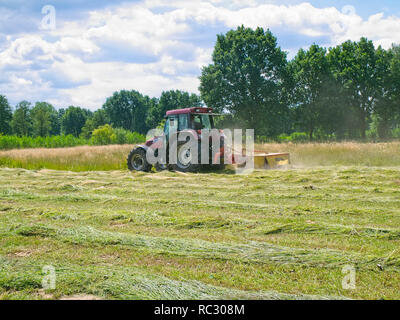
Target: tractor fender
[{"x": 142, "y": 146}]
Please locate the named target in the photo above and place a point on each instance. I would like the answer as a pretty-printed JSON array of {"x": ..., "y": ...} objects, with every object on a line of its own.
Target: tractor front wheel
[{"x": 137, "y": 161}]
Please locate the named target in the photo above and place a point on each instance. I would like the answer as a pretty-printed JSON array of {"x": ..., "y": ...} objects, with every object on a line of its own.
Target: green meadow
[{"x": 281, "y": 234}]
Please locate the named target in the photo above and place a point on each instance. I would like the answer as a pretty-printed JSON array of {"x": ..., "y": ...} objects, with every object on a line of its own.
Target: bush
[
  {"x": 264, "y": 139},
  {"x": 299, "y": 137},
  {"x": 14, "y": 142},
  {"x": 302, "y": 137},
  {"x": 102, "y": 136},
  {"x": 107, "y": 135},
  {"x": 123, "y": 136},
  {"x": 284, "y": 138},
  {"x": 134, "y": 137},
  {"x": 396, "y": 133}
]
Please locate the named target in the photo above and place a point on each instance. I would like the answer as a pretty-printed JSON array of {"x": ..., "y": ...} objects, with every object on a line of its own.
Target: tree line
[
  {"x": 126, "y": 110},
  {"x": 345, "y": 92},
  {"x": 351, "y": 91}
]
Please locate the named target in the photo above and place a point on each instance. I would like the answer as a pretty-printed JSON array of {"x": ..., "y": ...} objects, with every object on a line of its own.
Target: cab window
[
  {"x": 200, "y": 121},
  {"x": 183, "y": 122}
]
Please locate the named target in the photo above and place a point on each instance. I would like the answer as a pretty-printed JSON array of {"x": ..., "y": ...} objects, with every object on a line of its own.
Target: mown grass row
[
  {"x": 121, "y": 283},
  {"x": 297, "y": 228},
  {"x": 252, "y": 252},
  {"x": 266, "y": 232}
]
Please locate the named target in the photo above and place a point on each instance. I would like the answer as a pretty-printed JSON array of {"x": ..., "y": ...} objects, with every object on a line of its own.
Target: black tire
[
  {"x": 184, "y": 167},
  {"x": 137, "y": 161}
]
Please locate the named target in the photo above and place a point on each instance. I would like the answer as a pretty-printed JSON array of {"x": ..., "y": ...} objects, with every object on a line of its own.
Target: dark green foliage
[
  {"x": 98, "y": 119},
  {"x": 330, "y": 94},
  {"x": 128, "y": 110},
  {"x": 359, "y": 70},
  {"x": 247, "y": 78},
  {"x": 21, "y": 122},
  {"x": 73, "y": 120},
  {"x": 45, "y": 120},
  {"x": 314, "y": 90},
  {"x": 387, "y": 109},
  {"x": 5, "y": 116}
]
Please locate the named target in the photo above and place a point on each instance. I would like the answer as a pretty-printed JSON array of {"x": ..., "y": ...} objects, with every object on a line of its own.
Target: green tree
[
  {"x": 5, "y": 116},
  {"x": 56, "y": 120},
  {"x": 21, "y": 122},
  {"x": 170, "y": 100},
  {"x": 128, "y": 110},
  {"x": 99, "y": 118},
  {"x": 313, "y": 91},
  {"x": 387, "y": 110},
  {"x": 45, "y": 119},
  {"x": 73, "y": 120},
  {"x": 355, "y": 66},
  {"x": 248, "y": 78}
]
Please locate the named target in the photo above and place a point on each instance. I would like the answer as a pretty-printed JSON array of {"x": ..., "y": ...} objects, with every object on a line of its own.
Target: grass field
[
  {"x": 283, "y": 234},
  {"x": 102, "y": 158}
]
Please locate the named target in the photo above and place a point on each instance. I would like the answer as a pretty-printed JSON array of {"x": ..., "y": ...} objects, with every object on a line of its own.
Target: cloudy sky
[{"x": 98, "y": 46}]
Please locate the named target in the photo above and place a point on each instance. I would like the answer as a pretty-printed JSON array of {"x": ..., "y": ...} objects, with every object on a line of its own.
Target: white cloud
[{"x": 154, "y": 42}]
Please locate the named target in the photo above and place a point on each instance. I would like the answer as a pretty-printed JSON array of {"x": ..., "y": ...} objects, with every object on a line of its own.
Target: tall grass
[
  {"x": 82, "y": 158},
  {"x": 343, "y": 153},
  {"x": 113, "y": 157}
]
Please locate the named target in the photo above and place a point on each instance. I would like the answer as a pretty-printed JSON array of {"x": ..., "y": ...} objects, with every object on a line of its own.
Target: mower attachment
[{"x": 271, "y": 160}]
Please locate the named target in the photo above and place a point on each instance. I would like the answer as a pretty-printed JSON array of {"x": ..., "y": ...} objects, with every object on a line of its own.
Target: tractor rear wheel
[
  {"x": 184, "y": 161},
  {"x": 137, "y": 161}
]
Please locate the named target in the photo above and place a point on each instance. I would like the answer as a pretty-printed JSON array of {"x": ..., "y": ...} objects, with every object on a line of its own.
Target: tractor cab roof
[{"x": 189, "y": 111}]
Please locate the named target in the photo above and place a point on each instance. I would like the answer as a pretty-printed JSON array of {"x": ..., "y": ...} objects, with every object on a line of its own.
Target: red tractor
[
  {"x": 191, "y": 121},
  {"x": 197, "y": 124}
]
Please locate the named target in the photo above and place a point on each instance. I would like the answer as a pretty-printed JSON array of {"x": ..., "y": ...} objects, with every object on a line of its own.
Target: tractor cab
[{"x": 189, "y": 119}]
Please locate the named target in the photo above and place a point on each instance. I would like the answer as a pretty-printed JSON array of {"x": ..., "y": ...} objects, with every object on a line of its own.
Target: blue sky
[{"x": 99, "y": 46}]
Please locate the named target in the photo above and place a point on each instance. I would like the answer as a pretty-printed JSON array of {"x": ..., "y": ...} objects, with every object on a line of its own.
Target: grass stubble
[{"x": 283, "y": 234}]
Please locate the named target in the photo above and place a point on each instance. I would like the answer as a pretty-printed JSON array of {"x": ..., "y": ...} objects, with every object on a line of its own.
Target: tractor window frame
[{"x": 167, "y": 127}]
